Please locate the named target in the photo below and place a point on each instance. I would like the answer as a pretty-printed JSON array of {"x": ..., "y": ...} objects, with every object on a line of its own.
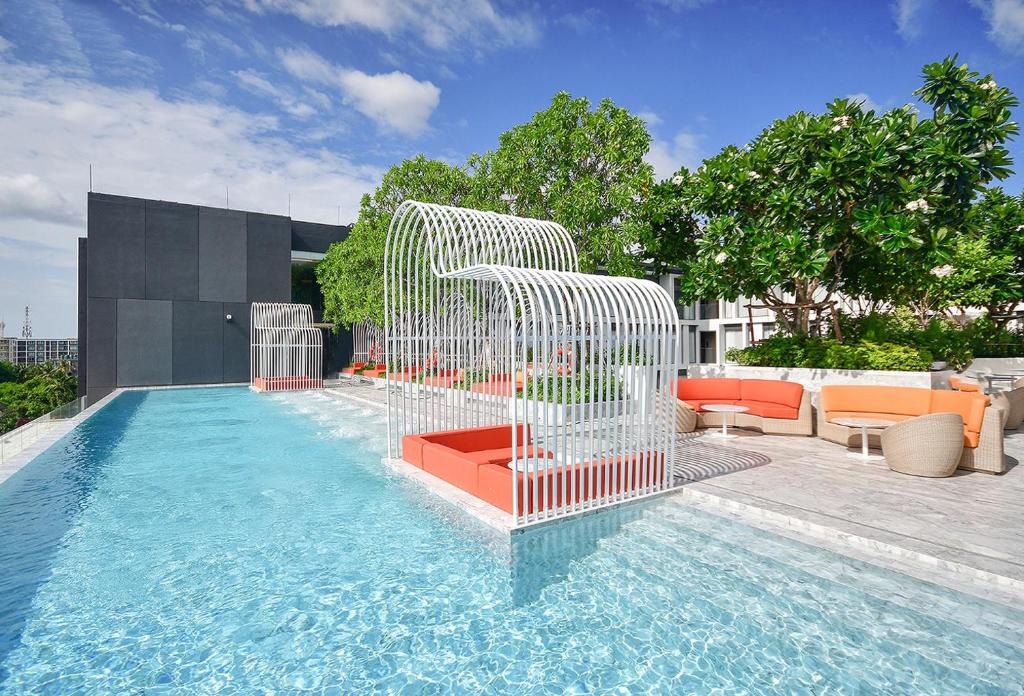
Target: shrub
[{"x": 827, "y": 353}]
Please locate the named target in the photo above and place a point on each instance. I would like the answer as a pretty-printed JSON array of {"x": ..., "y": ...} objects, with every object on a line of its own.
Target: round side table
[
  {"x": 724, "y": 409},
  {"x": 864, "y": 424}
]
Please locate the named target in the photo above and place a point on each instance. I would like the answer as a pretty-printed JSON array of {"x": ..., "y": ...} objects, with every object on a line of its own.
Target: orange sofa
[
  {"x": 773, "y": 406},
  {"x": 477, "y": 460},
  {"x": 983, "y": 424}
]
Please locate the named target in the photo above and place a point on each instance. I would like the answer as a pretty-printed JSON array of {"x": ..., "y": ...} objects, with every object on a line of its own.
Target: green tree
[
  {"x": 36, "y": 390},
  {"x": 351, "y": 274},
  {"x": 578, "y": 166},
  {"x": 998, "y": 218},
  {"x": 583, "y": 168},
  {"x": 818, "y": 200}
]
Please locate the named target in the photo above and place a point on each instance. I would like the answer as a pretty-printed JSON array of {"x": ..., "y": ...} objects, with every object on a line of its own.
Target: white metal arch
[
  {"x": 286, "y": 349},
  {"x": 367, "y": 343},
  {"x": 582, "y": 362}
]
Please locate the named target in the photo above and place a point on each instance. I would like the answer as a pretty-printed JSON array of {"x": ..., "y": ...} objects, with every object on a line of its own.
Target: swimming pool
[{"x": 216, "y": 540}]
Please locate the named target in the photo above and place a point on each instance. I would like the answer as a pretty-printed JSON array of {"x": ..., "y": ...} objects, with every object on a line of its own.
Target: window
[
  {"x": 708, "y": 346},
  {"x": 733, "y": 337},
  {"x": 691, "y": 344},
  {"x": 686, "y": 311},
  {"x": 709, "y": 309}
]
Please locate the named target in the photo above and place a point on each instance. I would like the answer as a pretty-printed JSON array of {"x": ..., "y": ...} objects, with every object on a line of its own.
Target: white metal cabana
[
  {"x": 367, "y": 343},
  {"x": 555, "y": 385},
  {"x": 286, "y": 349}
]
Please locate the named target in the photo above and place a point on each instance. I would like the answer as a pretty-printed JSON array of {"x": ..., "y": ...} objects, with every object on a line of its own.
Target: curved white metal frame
[
  {"x": 286, "y": 349},
  {"x": 367, "y": 343},
  {"x": 583, "y": 362}
]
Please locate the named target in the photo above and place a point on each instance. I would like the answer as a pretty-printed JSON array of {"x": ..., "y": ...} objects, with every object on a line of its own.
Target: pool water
[{"x": 221, "y": 541}]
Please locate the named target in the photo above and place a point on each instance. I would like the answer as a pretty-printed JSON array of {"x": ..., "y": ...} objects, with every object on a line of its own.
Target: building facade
[{"x": 165, "y": 289}]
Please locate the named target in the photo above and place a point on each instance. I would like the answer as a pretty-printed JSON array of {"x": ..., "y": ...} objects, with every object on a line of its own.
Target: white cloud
[
  {"x": 395, "y": 100},
  {"x": 650, "y": 118},
  {"x": 5, "y": 45},
  {"x": 865, "y": 101},
  {"x": 139, "y": 144},
  {"x": 27, "y": 197},
  {"x": 1006, "y": 23},
  {"x": 668, "y": 156},
  {"x": 907, "y": 14},
  {"x": 258, "y": 84},
  {"x": 441, "y": 25}
]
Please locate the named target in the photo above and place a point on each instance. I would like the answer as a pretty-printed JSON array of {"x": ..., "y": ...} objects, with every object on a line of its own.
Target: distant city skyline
[{"x": 278, "y": 103}]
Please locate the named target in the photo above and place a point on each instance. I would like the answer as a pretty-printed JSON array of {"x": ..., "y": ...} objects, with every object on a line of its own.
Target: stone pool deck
[{"x": 966, "y": 531}]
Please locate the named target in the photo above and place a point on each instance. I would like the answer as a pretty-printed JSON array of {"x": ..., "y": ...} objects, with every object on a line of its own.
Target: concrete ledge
[{"x": 813, "y": 379}]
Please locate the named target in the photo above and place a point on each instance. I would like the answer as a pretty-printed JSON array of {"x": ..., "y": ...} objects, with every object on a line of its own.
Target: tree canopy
[
  {"x": 581, "y": 167},
  {"x": 822, "y": 203}
]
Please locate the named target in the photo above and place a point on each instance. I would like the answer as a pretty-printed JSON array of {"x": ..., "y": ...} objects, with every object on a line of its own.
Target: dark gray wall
[{"x": 158, "y": 279}]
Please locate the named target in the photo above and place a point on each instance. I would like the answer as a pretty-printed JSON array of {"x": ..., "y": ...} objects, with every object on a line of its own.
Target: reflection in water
[
  {"x": 545, "y": 556},
  {"x": 40, "y": 503}
]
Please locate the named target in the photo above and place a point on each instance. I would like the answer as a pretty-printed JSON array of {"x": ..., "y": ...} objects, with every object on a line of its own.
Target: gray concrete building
[{"x": 165, "y": 290}]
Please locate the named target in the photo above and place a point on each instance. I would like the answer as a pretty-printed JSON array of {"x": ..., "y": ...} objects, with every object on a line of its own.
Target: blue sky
[{"x": 316, "y": 98}]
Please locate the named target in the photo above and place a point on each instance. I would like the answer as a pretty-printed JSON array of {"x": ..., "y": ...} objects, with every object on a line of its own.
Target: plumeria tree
[{"x": 816, "y": 201}]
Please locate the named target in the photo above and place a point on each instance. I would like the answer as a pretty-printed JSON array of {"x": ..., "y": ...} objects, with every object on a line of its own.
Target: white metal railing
[
  {"x": 367, "y": 343},
  {"x": 490, "y": 314},
  {"x": 16, "y": 440},
  {"x": 286, "y": 349}
]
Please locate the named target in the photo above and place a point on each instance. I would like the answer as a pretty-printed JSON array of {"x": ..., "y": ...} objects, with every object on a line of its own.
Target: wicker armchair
[
  {"x": 686, "y": 417},
  {"x": 928, "y": 445}
]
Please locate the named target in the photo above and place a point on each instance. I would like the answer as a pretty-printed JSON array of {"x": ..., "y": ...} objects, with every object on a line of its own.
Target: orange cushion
[
  {"x": 970, "y": 406},
  {"x": 770, "y": 409},
  {"x": 494, "y": 482},
  {"x": 968, "y": 387},
  {"x": 503, "y": 455},
  {"x": 412, "y": 449},
  {"x": 865, "y": 399},
  {"x": 971, "y": 439},
  {"x": 839, "y": 415},
  {"x": 772, "y": 391},
  {"x": 451, "y": 466},
  {"x": 475, "y": 439},
  {"x": 710, "y": 388}
]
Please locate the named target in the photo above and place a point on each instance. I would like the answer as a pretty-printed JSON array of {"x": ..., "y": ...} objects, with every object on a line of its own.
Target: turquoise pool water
[{"x": 216, "y": 540}]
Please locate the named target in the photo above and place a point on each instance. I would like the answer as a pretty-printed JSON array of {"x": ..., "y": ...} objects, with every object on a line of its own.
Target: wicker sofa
[
  {"x": 982, "y": 423},
  {"x": 773, "y": 406}
]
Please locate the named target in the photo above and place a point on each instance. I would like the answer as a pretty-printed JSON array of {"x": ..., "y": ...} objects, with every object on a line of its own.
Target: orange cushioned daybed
[
  {"x": 773, "y": 406},
  {"x": 983, "y": 424},
  {"x": 477, "y": 460}
]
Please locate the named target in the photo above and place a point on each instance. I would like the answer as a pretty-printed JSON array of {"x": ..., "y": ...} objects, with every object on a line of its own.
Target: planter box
[{"x": 813, "y": 379}]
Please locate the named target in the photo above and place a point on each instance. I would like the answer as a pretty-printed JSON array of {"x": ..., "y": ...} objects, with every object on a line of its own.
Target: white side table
[
  {"x": 724, "y": 409},
  {"x": 864, "y": 424}
]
